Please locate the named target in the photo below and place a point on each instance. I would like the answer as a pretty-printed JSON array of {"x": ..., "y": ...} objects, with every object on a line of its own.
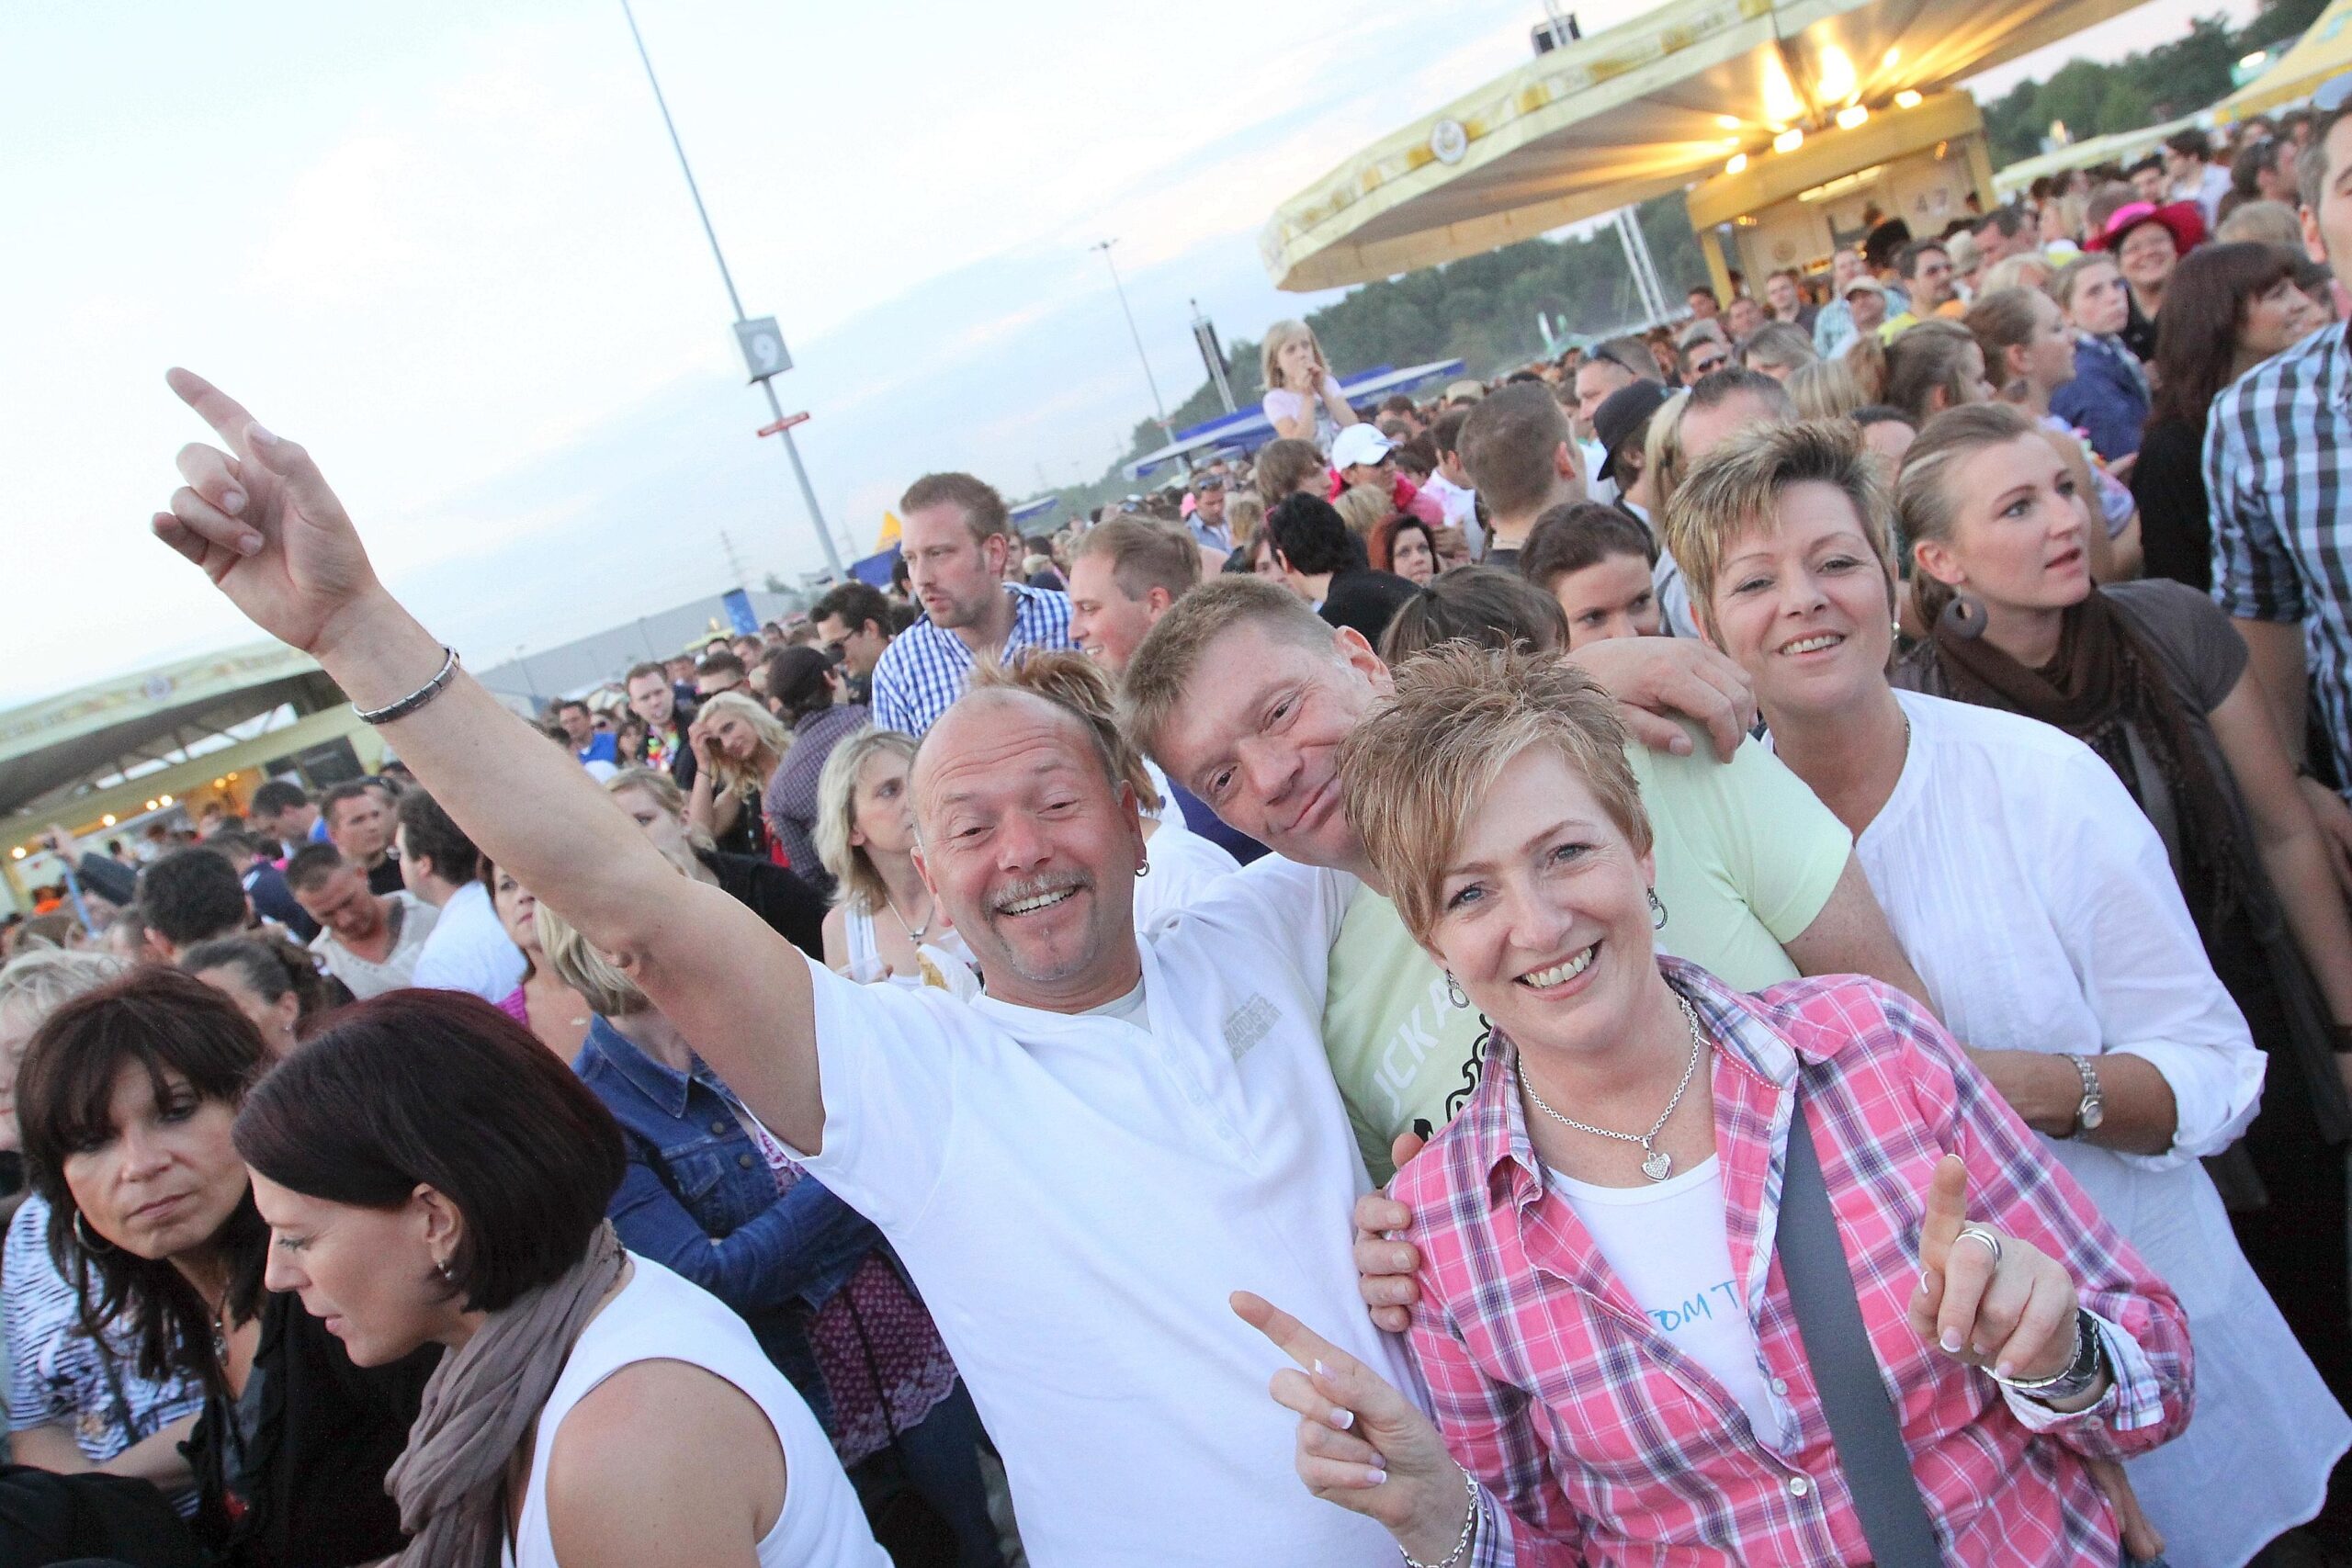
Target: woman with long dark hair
[
  {"x": 431, "y": 1175},
  {"x": 127, "y": 1098},
  {"x": 2228, "y": 309}
]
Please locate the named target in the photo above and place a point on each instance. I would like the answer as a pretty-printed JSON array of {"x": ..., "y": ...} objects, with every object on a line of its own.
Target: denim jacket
[
  {"x": 2107, "y": 398},
  {"x": 698, "y": 1199}
]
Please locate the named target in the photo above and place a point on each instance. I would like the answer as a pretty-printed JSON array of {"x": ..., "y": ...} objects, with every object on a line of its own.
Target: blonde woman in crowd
[
  {"x": 1302, "y": 397},
  {"x": 2041, "y": 907},
  {"x": 1824, "y": 389},
  {"x": 738, "y": 744},
  {"x": 883, "y": 924},
  {"x": 1363, "y": 509}
]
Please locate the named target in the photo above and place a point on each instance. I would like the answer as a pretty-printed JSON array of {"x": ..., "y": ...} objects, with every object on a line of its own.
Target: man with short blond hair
[{"x": 956, "y": 535}]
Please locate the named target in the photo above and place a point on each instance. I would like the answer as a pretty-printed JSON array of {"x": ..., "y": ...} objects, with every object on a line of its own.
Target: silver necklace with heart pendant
[{"x": 1656, "y": 1163}]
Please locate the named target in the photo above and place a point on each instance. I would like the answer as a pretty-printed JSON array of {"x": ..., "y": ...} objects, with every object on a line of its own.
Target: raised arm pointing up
[{"x": 261, "y": 521}]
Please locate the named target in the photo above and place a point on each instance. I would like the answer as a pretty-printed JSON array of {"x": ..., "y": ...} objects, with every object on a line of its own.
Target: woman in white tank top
[
  {"x": 885, "y": 925},
  {"x": 429, "y": 1172}
]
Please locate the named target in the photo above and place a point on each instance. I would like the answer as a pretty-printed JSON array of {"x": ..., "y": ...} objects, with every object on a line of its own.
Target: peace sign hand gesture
[
  {"x": 1987, "y": 1299},
  {"x": 262, "y": 523},
  {"x": 1361, "y": 1443}
]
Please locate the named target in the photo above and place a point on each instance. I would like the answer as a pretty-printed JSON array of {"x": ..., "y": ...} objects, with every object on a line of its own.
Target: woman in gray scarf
[{"x": 431, "y": 1173}]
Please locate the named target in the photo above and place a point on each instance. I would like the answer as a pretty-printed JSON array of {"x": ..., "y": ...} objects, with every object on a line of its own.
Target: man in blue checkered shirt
[
  {"x": 2278, "y": 477},
  {"x": 958, "y": 537}
]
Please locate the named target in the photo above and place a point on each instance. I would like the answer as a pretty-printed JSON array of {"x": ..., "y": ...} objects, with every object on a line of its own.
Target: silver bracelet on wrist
[
  {"x": 1461, "y": 1541},
  {"x": 415, "y": 700},
  {"x": 2076, "y": 1377}
]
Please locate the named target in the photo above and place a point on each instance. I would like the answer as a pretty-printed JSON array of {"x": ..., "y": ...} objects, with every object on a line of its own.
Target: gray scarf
[{"x": 450, "y": 1478}]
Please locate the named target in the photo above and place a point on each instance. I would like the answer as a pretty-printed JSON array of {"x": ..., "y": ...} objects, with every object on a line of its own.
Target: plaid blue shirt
[
  {"x": 924, "y": 668},
  {"x": 2278, "y": 443}
]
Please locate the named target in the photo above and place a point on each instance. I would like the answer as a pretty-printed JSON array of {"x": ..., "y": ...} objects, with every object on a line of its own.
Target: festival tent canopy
[
  {"x": 1633, "y": 112},
  {"x": 2323, "y": 50},
  {"x": 2125, "y": 147}
]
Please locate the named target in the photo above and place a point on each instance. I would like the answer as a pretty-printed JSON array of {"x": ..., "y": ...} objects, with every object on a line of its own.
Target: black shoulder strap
[{"x": 1862, "y": 1427}]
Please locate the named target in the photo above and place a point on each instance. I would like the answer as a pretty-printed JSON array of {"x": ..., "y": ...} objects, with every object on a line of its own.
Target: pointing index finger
[
  {"x": 224, "y": 413},
  {"x": 1947, "y": 1211},
  {"x": 1294, "y": 1339}
]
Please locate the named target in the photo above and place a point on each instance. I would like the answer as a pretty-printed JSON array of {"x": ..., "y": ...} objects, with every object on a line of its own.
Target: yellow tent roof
[
  {"x": 1634, "y": 112},
  {"x": 2323, "y": 50}
]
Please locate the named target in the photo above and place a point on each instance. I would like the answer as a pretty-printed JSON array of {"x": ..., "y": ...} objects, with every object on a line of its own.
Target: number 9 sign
[{"x": 762, "y": 345}]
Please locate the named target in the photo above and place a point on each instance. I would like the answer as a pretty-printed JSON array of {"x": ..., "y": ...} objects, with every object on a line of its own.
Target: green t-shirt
[{"x": 1746, "y": 857}]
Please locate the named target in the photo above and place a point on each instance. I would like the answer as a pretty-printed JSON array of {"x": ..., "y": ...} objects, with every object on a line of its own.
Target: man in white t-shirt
[
  {"x": 469, "y": 950},
  {"x": 1078, "y": 1169}
]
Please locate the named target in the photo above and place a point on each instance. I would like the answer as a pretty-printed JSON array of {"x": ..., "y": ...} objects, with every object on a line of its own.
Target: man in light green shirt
[{"x": 1245, "y": 697}]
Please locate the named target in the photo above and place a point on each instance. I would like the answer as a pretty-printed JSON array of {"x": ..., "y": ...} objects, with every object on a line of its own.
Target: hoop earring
[
  {"x": 1454, "y": 991},
  {"x": 91, "y": 1244},
  {"x": 1963, "y": 618},
  {"x": 1144, "y": 870},
  {"x": 1658, "y": 912}
]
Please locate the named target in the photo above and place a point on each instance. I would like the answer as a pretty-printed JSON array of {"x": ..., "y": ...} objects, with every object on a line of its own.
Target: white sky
[{"x": 447, "y": 247}]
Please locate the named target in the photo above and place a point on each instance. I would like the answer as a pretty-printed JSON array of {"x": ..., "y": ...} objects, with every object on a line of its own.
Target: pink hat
[{"x": 2182, "y": 217}]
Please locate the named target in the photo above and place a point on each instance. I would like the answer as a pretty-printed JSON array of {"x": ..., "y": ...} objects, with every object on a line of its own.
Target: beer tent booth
[{"x": 1789, "y": 118}]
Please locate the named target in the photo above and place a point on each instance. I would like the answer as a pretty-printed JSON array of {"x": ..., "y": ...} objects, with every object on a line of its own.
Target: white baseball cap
[{"x": 1359, "y": 444}]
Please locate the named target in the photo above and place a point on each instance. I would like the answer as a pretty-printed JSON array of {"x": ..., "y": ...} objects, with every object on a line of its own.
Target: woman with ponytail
[{"x": 2153, "y": 679}]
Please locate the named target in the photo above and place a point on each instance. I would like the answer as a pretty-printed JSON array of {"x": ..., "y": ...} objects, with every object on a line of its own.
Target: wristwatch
[
  {"x": 2089, "y": 1364},
  {"x": 2092, "y": 1110}
]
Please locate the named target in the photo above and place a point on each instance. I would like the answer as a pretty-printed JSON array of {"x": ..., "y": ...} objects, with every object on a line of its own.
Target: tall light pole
[
  {"x": 807, "y": 491},
  {"x": 1159, "y": 407}
]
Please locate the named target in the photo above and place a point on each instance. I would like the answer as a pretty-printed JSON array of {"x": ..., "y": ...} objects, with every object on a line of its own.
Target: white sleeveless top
[
  {"x": 660, "y": 1317},
  {"x": 946, "y": 956}
]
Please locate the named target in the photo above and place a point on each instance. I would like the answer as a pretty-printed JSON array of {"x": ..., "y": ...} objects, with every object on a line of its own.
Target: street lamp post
[
  {"x": 807, "y": 491},
  {"x": 1159, "y": 407}
]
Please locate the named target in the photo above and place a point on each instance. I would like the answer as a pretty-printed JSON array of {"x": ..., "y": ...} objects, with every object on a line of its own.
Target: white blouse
[{"x": 2036, "y": 901}]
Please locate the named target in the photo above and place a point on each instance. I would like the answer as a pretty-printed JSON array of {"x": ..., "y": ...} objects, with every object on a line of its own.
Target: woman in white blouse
[
  {"x": 1303, "y": 398},
  {"x": 2037, "y": 904}
]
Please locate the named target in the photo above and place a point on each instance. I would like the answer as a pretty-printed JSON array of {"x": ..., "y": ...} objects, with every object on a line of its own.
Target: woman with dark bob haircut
[
  {"x": 127, "y": 1096},
  {"x": 432, "y": 1175}
]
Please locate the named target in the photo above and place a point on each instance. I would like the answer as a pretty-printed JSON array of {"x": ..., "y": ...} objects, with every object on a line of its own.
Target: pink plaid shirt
[{"x": 1612, "y": 1446}]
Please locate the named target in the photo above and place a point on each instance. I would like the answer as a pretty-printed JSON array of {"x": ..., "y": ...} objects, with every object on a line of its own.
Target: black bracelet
[{"x": 415, "y": 700}]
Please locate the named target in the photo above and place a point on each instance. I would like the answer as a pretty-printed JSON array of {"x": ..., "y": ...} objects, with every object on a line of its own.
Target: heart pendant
[{"x": 1657, "y": 1165}]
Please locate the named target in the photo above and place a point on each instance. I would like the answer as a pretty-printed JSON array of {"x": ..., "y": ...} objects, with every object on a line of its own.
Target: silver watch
[{"x": 2092, "y": 1110}]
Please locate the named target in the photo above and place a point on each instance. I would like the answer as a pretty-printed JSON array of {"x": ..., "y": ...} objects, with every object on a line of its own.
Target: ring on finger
[{"x": 1986, "y": 1234}]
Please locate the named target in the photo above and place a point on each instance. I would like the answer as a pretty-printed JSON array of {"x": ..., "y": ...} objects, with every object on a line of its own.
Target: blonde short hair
[
  {"x": 1736, "y": 489},
  {"x": 745, "y": 778},
  {"x": 1824, "y": 389},
  {"x": 1363, "y": 509},
  {"x": 39, "y": 980},
  {"x": 1417, "y": 770},
  {"x": 857, "y": 883},
  {"x": 1244, "y": 515}
]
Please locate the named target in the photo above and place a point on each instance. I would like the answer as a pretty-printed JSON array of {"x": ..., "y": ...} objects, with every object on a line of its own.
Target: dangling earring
[
  {"x": 1144, "y": 870},
  {"x": 1454, "y": 991},
  {"x": 1658, "y": 912},
  {"x": 91, "y": 1244},
  {"x": 1963, "y": 618},
  {"x": 449, "y": 1275}
]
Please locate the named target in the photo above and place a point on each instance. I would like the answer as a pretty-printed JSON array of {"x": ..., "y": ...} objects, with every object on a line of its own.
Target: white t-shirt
[
  {"x": 658, "y": 1316},
  {"x": 1461, "y": 508},
  {"x": 1667, "y": 1245},
  {"x": 469, "y": 950},
  {"x": 1284, "y": 403},
  {"x": 365, "y": 976},
  {"x": 1183, "y": 866},
  {"x": 1077, "y": 1197}
]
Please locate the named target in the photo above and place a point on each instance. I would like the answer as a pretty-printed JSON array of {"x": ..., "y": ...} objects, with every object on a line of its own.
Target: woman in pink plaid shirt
[{"x": 1611, "y": 1351}]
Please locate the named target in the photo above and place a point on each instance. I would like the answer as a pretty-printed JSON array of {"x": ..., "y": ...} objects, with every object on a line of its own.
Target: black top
[
  {"x": 386, "y": 877},
  {"x": 1366, "y": 599},
  {"x": 310, "y": 1491},
  {"x": 788, "y": 905},
  {"x": 2139, "y": 334},
  {"x": 2175, "y": 522}
]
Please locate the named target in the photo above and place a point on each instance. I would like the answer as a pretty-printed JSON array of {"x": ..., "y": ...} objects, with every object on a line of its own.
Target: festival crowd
[{"x": 1730, "y": 949}]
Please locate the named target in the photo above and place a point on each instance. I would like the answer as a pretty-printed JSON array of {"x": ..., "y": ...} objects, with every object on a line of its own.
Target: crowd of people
[{"x": 1735, "y": 948}]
